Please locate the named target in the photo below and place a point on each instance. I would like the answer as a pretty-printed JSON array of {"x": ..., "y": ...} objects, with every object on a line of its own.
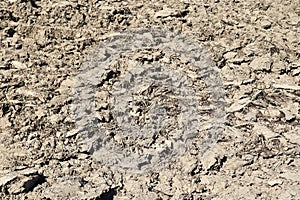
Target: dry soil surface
[{"x": 255, "y": 47}]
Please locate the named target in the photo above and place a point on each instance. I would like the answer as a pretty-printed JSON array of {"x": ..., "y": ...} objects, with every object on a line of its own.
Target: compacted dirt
[{"x": 255, "y": 49}]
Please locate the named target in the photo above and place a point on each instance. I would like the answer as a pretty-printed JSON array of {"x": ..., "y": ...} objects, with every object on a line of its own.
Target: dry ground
[{"x": 255, "y": 45}]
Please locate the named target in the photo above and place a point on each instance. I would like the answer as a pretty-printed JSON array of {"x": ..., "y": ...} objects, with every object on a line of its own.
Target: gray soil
[{"x": 255, "y": 49}]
